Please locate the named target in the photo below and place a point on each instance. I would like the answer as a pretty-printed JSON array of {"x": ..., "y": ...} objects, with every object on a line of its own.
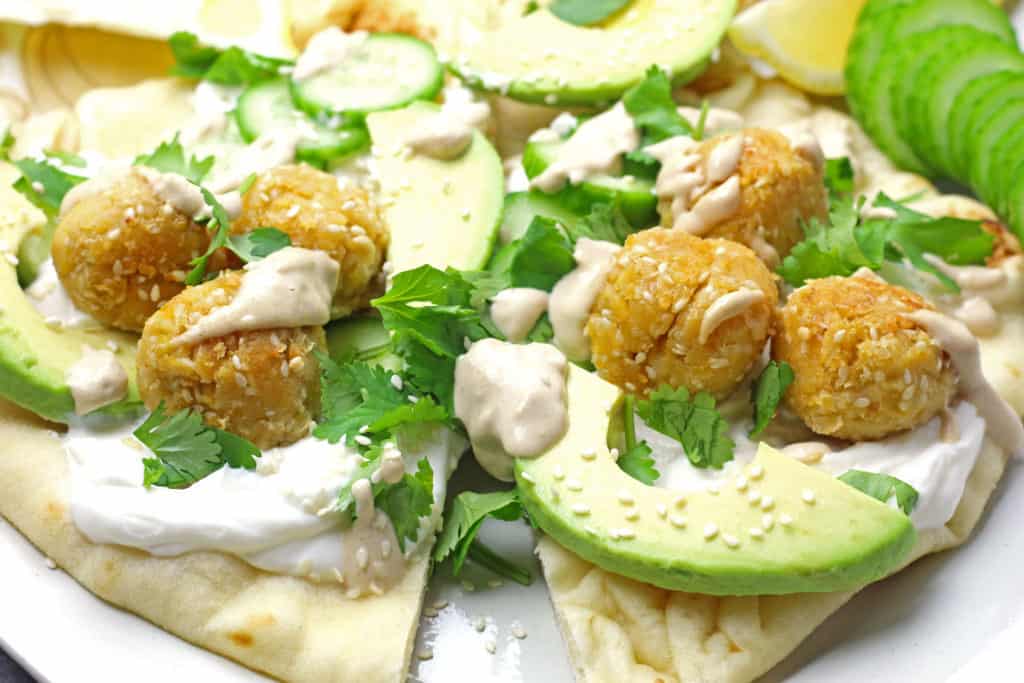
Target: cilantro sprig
[
  {"x": 637, "y": 460},
  {"x": 459, "y": 537},
  {"x": 233, "y": 66},
  {"x": 45, "y": 183},
  {"x": 186, "y": 450},
  {"x": 847, "y": 242},
  {"x": 170, "y": 157},
  {"x": 657, "y": 117},
  {"x": 882, "y": 487},
  {"x": 768, "y": 391},
  {"x": 538, "y": 259},
  {"x": 693, "y": 422}
]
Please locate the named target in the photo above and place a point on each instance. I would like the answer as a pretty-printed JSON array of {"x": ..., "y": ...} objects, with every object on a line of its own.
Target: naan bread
[{"x": 619, "y": 630}]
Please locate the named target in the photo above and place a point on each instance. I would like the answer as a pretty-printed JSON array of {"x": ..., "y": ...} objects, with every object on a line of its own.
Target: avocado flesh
[
  {"x": 34, "y": 357},
  {"x": 540, "y": 58},
  {"x": 441, "y": 213},
  {"x": 843, "y": 540}
]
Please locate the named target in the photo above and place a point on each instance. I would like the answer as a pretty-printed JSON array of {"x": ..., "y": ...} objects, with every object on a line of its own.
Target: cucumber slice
[
  {"x": 267, "y": 107},
  {"x": 870, "y": 84},
  {"x": 386, "y": 71},
  {"x": 974, "y": 103},
  {"x": 986, "y": 143},
  {"x": 1004, "y": 169},
  {"x": 1015, "y": 205},
  {"x": 522, "y": 207},
  {"x": 635, "y": 196},
  {"x": 943, "y": 79}
]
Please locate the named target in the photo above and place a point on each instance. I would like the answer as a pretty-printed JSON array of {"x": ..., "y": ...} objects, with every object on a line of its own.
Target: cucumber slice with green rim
[
  {"x": 866, "y": 47},
  {"x": 974, "y": 103},
  {"x": 1004, "y": 169},
  {"x": 386, "y": 71},
  {"x": 985, "y": 145},
  {"x": 635, "y": 196},
  {"x": 267, "y": 107},
  {"x": 941, "y": 80},
  {"x": 522, "y": 207}
]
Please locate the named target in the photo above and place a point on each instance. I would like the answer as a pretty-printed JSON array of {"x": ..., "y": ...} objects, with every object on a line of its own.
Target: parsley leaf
[
  {"x": 187, "y": 450},
  {"x": 586, "y": 12},
  {"x": 695, "y": 423},
  {"x": 258, "y": 244},
  {"x": 768, "y": 392},
  {"x": 170, "y": 157},
  {"x": 538, "y": 259},
  {"x": 637, "y": 460},
  {"x": 467, "y": 514},
  {"x": 233, "y": 66},
  {"x": 44, "y": 184},
  {"x": 882, "y": 487},
  {"x": 605, "y": 222}
]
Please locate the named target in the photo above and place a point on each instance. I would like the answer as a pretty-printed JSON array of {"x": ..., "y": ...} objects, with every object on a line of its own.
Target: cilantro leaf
[
  {"x": 695, "y": 423},
  {"x": 538, "y": 259},
  {"x": 882, "y": 487},
  {"x": 465, "y": 517},
  {"x": 170, "y": 157},
  {"x": 768, "y": 392},
  {"x": 839, "y": 176},
  {"x": 586, "y": 12},
  {"x": 605, "y": 222},
  {"x": 44, "y": 184},
  {"x": 637, "y": 460},
  {"x": 6, "y": 144},
  {"x": 258, "y": 244},
  {"x": 233, "y": 66},
  {"x": 186, "y": 450},
  {"x": 654, "y": 111},
  {"x": 542, "y": 331},
  {"x": 429, "y": 372},
  {"x": 406, "y": 501}
]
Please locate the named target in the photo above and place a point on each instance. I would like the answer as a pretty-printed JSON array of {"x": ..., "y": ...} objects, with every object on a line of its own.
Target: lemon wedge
[{"x": 804, "y": 40}]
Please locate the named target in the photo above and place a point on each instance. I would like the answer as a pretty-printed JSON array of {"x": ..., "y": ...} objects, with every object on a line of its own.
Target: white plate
[{"x": 956, "y": 616}]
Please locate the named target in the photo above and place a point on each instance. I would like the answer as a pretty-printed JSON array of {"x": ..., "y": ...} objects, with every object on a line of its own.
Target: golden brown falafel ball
[
  {"x": 780, "y": 188},
  {"x": 263, "y": 385},
  {"x": 309, "y": 205},
  {"x": 863, "y": 370},
  {"x": 122, "y": 251},
  {"x": 683, "y": 311}
]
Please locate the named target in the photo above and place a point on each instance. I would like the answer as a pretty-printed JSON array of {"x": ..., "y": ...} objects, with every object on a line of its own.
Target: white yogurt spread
[
  {"x": 938, "y": 469},
  {"x": 48, "y": 296},
  {"x": 278, "y": 517},
  {"x": 511, "y": 397}
]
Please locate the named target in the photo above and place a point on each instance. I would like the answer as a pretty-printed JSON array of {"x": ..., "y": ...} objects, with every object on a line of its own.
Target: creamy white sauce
[
  {"x": 211, "y": 103},
  {"x": 264, "y": 153},
  {"x": 515, "y": 311},
  {"x": 96, "y": 379},
  {"x": 711, "y": 209},
  {"x": 279, "y": 517},
  {"x": 938, "y": 469},
  {"x": 108, "y": 176},
  {"x": 48, "y": 296},
  {"x": 727, "y": 307},
  {"x": 1004, "y": 425},
  {"x": 292, "y": 287},
  {"x": 979, "y": 316},
  {"x": 325, "y": 50},
  {"x": 595, "y": 148},
  {"x": 185, "y": 196},
  {"x": 725, "y": 159},
  {"x": 448, "y": 134},
  {"x": 511, "y": 397},
  {"x": 574, "y": 295}
]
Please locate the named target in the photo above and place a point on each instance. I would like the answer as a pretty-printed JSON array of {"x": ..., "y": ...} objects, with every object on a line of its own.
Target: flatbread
[
  {"x": 619, "y": 630},
  {"x": 287, "y": 627}
]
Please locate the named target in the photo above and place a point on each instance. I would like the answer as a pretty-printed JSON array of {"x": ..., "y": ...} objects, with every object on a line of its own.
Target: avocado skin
[{"x": 842, "y": 541}]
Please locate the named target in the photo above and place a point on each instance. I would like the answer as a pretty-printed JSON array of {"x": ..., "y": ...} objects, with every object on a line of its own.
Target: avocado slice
[
  {"x": 34, "y": 357},
  {"x": 576, "y": 493},
  {"x": 540, "y": 58},
  {"x": 441, "y": 213}
]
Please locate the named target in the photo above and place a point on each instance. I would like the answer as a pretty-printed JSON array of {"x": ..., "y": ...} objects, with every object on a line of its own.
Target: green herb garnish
[
  {"x": 693, "y": 422},
  {"x": 768, "y": 392},
  {"x": 882, "y": 487},
  {"x": 464, "y": 519},
  {"x": 233, "y": 66},
  {"x": 637, "y": 460}
]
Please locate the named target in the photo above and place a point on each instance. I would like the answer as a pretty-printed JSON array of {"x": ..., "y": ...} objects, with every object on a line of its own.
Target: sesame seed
[
  {"x": 293, "y": 211},
  {"x": 633, "y": 515},
  {"x": 574, "y": 485},
  {"x": 624, "y": 533},
  {"x": 38, "y": 187},
  {"x": 661, "y": 510},
  {"x": 767, "y": 522},
  {"x": 490, "y": 646},
  {"x": 731, "y": 540},
  {"x": 396, "y": 382},
  {"x": 495, "y": 583},
  {"x": 555, "y": 496},
  {"x": 767, "y": 503},
  {"x": 753, "y": 497},
  {"x": 527, "y": 477},
  {"x": 839, "y": 335},
  {"x": 714, "y": 489},
  {"x": 710, "y": 531},
  {"x": 626, "y": 498},
  {"x": 558, "y": 473},
  {"x": 581, "y": 509},
  {"x": 588, "y": 454},
  {"x": 680, "y": 501},
  {"x": 756, "y": 532},
  {"x": 469, "y": 587},
  {"x": 479, "y": 624},
  {"x": 413, "y": 399},
  {"x": 363, "y": 440},
  {"x": 518, "y": 631},
  {"x": 755, "y": 471},
  {"x": 808, "y": 496},
  {"x": 862, "y": 402},
  {"x": 785, "y": 520},
  {"x": 741, "y": 483},
  {"x": 425, "y": 654},
  {"x": 440, "y": 604},
  {"x": 429, "y": 612},
  {"x": 678, "y": 521},
  {"x": 803, "y": 332}
]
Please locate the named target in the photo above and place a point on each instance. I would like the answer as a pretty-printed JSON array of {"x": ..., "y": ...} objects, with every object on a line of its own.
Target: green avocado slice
[
  {"x": 841, "y": 539},
  {"x": 35, "y": 357},
  {"x": 441, "y": 213},
  {"x": 540, "y": 58}
]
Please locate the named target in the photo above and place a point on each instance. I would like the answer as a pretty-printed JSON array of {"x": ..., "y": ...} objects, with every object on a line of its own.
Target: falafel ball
[
  {"x": 863, "y": 370},
  {"x": 309, "y": 205},
  {"x": 263, "y": 385},
  {"x": 781, "y": 186},
  {"x": 121, "y": 251},
  {"x": 681, "y": 310}
]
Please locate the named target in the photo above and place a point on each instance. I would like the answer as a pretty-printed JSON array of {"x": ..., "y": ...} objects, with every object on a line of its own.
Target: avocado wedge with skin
[
  {"x": 34, "y": 356},
  {"x": 441, "y": 213},
  {"x": 540, "y": 58},
  {"x": 816, "y": 535}
]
